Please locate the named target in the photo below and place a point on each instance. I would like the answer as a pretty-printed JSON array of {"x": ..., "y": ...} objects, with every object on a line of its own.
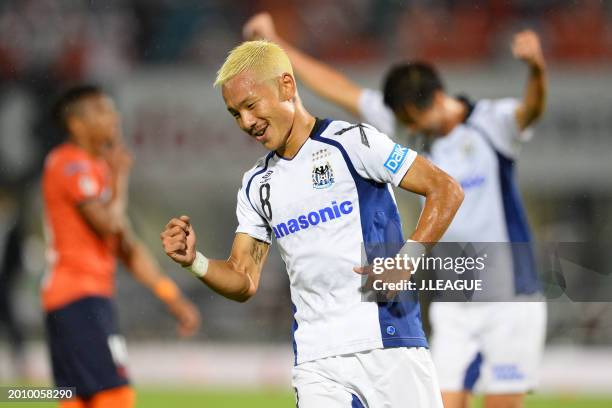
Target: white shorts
[
  {"x": 494, "y": 348},
  {"x": 381, "y": 378}
]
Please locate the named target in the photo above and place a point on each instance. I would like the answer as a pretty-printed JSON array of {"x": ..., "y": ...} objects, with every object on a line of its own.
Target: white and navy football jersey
[
  {"x": 321, "y": 207},
  {"x": 480, "y": 154}
]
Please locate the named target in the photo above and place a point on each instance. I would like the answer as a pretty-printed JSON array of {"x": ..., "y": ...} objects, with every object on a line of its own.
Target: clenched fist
[
  {"x": 526, "y": 47},
  {"x": 260, "y": 26},
  {"x": 179, "y": 240}
]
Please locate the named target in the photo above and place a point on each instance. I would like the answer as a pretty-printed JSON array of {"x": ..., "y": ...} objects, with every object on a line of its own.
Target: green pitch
[
  {"x": 148, "y": 398},
  {"x": 192, "y": 398},
  {"x": 574, "y": 401},
  {"x": 271, "y": 399},
  {"x": 202, "y": 398}
]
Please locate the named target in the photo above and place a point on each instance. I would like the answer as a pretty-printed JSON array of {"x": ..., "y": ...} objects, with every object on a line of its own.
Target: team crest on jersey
[
  {"x": 322, "y": 172},
  {"x": 87, "y": 185}
]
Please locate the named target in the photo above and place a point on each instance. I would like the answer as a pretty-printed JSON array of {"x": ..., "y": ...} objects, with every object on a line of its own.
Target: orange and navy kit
[
  {"x": 80, "y": 262},
  {"x": 87, "y": 351}
]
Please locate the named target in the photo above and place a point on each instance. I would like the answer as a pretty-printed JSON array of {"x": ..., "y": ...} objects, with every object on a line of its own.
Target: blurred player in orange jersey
[{"x": 85, "y": 195}]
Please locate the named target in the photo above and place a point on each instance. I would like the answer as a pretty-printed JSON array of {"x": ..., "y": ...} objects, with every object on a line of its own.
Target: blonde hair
[{"x": 266, "y": 59}]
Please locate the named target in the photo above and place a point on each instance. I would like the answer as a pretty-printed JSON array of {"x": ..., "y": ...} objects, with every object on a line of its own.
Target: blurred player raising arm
[{"x": 332, "y": 85}]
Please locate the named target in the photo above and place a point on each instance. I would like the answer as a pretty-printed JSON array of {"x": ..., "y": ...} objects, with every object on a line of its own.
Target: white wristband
[
  {"x": 412, "y": 248},
  {"x": 199, "y": 267}
]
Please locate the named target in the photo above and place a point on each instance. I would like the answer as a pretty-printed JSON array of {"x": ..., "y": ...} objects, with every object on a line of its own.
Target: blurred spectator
[
  {"x": 580, "y": 32},
  {"x": 59, "y": 40}
]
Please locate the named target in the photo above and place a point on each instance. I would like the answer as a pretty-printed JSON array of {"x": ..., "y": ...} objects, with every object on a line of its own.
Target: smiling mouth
[{"x": 259, "y": 134}]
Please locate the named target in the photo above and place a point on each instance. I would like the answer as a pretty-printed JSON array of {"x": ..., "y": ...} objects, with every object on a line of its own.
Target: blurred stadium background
[{"x": 158, "y": 58}]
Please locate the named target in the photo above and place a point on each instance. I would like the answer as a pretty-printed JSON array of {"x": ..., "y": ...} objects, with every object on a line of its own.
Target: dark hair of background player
[
  {"x": 411, "y": 84},
  {"x": 68, "y": 101}
]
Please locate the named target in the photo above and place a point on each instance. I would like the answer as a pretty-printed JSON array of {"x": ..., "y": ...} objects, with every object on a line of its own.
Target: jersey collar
[
  {"x": 469, "y": 104},
  {"x": 318, "y": 128}
]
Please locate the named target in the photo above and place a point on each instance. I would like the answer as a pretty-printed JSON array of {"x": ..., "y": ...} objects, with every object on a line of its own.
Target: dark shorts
[{"x": 86, "y": 349}]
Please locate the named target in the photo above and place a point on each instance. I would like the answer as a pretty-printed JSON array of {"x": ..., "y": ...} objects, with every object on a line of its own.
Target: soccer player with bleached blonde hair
[
  {"x": 265, "y": 59},
  {"x": 322, "y": 191}
]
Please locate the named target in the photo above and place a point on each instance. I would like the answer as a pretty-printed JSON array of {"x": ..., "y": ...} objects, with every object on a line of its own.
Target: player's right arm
[
  {"x": 526, "y": 46},
  {"x": 108, "y": 218},
  {"x": 322, "y": 79},
  {"x": 236, "y": 278}
]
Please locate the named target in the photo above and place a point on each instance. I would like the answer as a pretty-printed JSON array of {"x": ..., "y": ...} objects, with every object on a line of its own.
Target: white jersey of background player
[
  {"x": 477, "y": 144},
  {"x": 322, "y": 191}
]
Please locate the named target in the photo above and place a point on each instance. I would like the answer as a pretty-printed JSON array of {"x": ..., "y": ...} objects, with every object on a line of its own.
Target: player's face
[
  {"x": 263, "y": 109},
  {"x": 100, "y": 121},
  {"x": 428, "y": 121}
]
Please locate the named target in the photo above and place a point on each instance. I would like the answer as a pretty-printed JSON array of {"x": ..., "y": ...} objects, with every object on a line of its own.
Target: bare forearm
[
  {"x": 236, "y": 278},
  {"x": 106, "y": 218},
  {"x": 322, "y": 79},
  {"x": 143, "y": 266},
  {"x": 119, "y": 201},
  {"x": 440, "y": 208},
  {"x": 144, "y": 269},
  {"x": 229, "y": 280},
  {"x": 443, "y": 196},
  {"x": 114, "y": 219},
  {"x": 526, "y": 47},
  {"x": 534, "y": 100}
]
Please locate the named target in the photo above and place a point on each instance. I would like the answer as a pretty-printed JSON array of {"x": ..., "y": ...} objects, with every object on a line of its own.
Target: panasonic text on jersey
[{"x": 312, "y": 219}]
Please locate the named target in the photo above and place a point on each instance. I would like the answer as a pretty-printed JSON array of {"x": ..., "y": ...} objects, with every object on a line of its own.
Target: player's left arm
[
  {"x": 526, "y": 47},
  {"x": 145, "y": 269},
  {"x": 443, "y": 197}
]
